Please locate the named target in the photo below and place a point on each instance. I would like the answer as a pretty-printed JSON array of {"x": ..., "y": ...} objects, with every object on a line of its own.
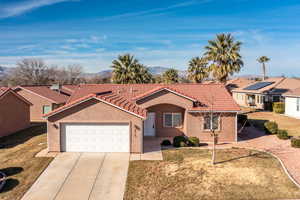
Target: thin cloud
[
  {"x": 15, "y": 9},
  {"x": 155, "y": 10}
]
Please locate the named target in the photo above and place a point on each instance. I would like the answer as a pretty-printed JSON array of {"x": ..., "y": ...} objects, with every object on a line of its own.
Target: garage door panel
[{"x": 95, "y": 138}]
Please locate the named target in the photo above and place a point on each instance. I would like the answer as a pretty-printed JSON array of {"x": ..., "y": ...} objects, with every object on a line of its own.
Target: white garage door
[{"x": 95, "y": 138}]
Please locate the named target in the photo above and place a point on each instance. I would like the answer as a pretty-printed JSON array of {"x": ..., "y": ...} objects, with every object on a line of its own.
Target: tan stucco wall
[
  {"x": 241, "y": 99},
  {"x": 227, "y": 132},
  {"x": 94, "y": 111},
  {"x": 192, "y": 122},
  {"x": 14, "y": 114},
  {"x": 160, "y": 130},
  {"x": 36, "y": 110}
]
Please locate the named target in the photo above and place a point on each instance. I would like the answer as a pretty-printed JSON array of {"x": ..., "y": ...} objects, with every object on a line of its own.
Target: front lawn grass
[
  {"x": 18, "y": 161},
  {"x": 187, "y": 174}
]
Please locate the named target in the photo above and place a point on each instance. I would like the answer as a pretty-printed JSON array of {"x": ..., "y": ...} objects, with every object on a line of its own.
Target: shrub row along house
[
  {"x": 262, "y": 94},
  {"x": 117, "y": 117}
]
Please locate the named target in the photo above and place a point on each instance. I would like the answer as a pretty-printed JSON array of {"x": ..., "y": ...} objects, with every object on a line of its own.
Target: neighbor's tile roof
[
  {"x": 261, "y": 90},
  {"x": 4, "y": 91},
  {"x": 295, "y": 92},
  {"x": 47, "y": 93},
  {"x": 238, "y": 83},
  {"x": 281, "y": 86},
  {"x": 200, "y": 92},
  {"x": 286, "y": 86}
]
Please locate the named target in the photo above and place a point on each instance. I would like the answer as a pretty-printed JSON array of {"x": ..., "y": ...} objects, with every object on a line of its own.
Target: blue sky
[{"x": 158, "y": 32}]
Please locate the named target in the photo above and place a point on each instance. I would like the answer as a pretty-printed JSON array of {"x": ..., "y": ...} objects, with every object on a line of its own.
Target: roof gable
[
  {"x": 160, "y": 89},
  {"x": 3, "y": 93},
  {"x": 46, "y": 93},
  {"x": 108, "y": 98}
]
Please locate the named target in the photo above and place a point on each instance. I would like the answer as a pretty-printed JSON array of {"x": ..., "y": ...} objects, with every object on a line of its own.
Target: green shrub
[
  {"x": 282, "y": 134},
  {"x": 271, "y": 127},
  {"x": 178, "y": 139},
  {"x": 295, "y": 142},
  {"x": 194, "y": 141},
  {"x": 183, "y": 144},
  {"x": 278, "y": 107},
  {"x": 165, "y": 143}
]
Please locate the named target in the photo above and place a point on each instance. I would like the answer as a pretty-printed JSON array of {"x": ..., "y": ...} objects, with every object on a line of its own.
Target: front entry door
[{"x": 149, "y": 125}]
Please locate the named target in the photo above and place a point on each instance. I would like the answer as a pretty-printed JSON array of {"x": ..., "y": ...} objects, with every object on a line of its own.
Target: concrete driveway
[{"x": 82, "y": 176}]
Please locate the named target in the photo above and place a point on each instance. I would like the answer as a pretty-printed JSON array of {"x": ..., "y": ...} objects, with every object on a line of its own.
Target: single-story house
[
  {"x": 262, "y": 94},
  {"x": 117, "y": 117},
  {"x": 44, "y": 99},
  {"x": 14, "y": 112},
  {"x": 292, "y": 103}
]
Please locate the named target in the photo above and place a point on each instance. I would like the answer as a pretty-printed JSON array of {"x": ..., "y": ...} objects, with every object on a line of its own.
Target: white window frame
[
  {"x": 172, "y": 114},
  {"x": 298, "y": 104},
  {"x": 219, "y": 122}
]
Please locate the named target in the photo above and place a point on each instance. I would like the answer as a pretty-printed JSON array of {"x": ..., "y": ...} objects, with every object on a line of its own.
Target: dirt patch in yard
[
  {"x": 290, "y": 124},
  {"x": 18, "y": 160},
  {"x": 189, "y": 174}
]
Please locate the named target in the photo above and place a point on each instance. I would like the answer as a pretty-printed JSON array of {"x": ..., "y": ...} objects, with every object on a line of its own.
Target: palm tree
[
  {"x": 263, "y": 60},
  {"x": 170, "y": 76},
  {"x": 223, "y": 55},
  {"x": 197, "y": 70},
  {"x": 127, "y": 69}
]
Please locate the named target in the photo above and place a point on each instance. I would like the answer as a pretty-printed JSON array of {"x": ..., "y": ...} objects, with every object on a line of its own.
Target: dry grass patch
[
  {"x": 188, "y": 174},
  {"x": 292, "y": 125},
  {"x": 18, "y": 160}
]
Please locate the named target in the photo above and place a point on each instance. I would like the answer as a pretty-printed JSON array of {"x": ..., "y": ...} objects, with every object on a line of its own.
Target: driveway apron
[{"x": 82, "y": 176}]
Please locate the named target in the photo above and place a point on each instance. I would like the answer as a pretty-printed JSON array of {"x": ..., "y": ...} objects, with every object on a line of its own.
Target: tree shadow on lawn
[
  {"x": 10, "y": 184},
  {"x": 251, "y": 154},
  {"x": 22, "y": 136},
  {"x": 10, "y": 171}
]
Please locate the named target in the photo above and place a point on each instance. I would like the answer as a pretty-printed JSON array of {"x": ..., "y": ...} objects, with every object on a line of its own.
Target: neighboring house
[
  {"x": 14, "y": 112},
  {"x": 262, "y": 94},
  {"x": 238, "y": 83},
  {"x": 117, "y": 117},
  {"x": 44, "y": 99},
  {"x": 292, "y": 103}
]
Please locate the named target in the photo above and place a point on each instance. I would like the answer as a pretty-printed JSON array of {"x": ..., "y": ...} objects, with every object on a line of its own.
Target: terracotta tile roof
[
  {"x": 287, "y": 85},
  {"x": 5, "y": 91},
  {"x": 280, "y": 86},
  {"x": 68, "y": 89},
  {"x": 238, "y": 83},
  {"x": 200, "y": 92},
  {"x": 109, "y": 98},
  {"x": 293, "y": 93},
  {"x": 123, "y": 103},
  {"x": 46, "y": 92},
  {"x": 160, "y": 88},
  {"x": 275, "y": 81}
]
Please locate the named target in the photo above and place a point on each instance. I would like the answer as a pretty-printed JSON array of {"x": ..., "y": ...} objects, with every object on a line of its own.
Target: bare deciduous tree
[
  {"x": 30, "y": 72},
  {"x": 213, "y": 132}
]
